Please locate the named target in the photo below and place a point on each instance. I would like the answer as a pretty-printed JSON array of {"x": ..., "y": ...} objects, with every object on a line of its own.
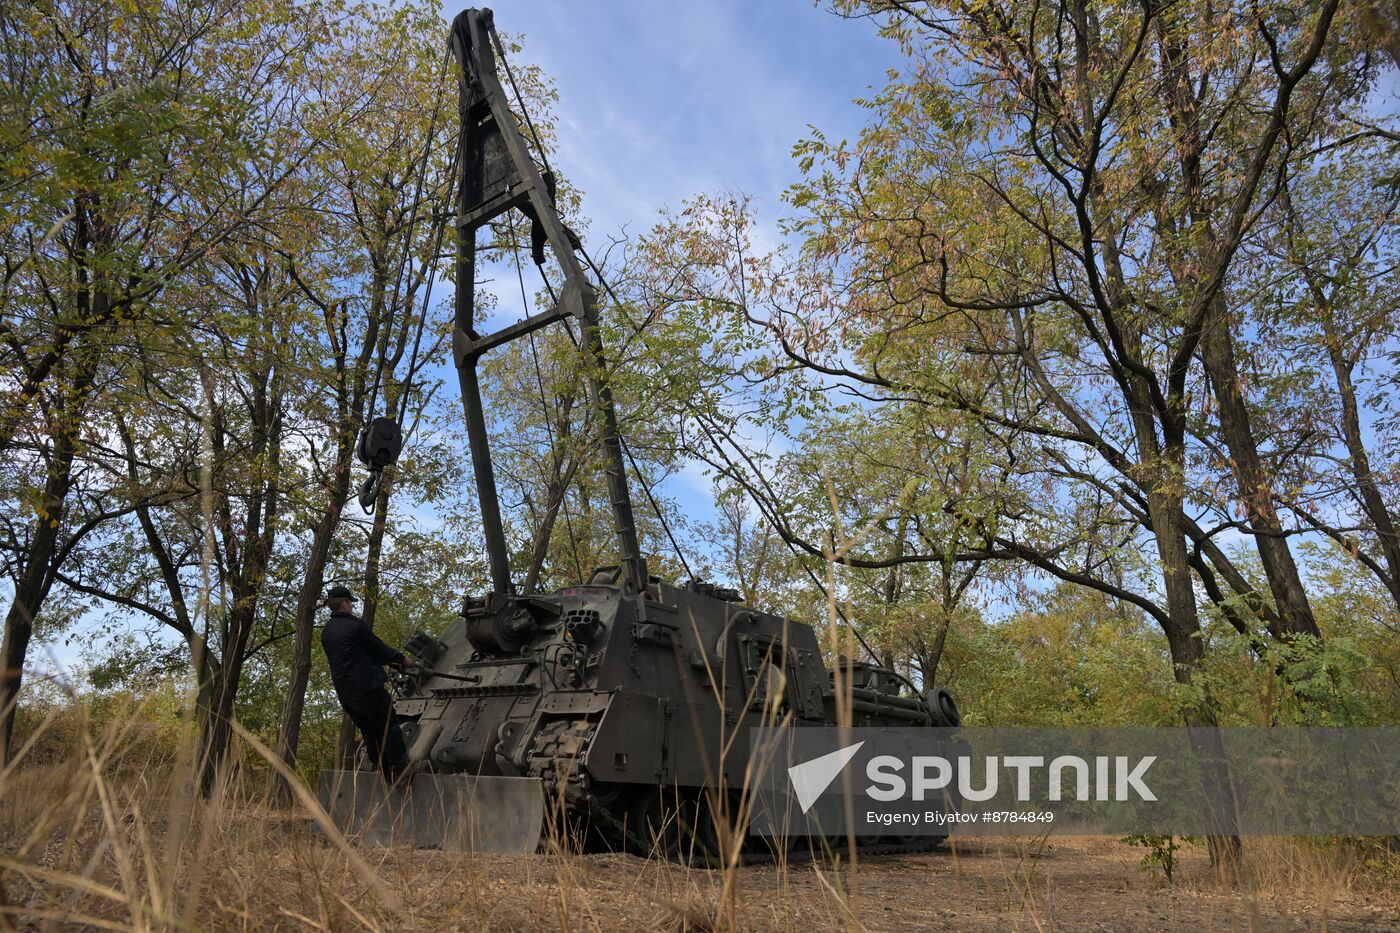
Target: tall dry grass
[
  {"x": 100, "y": 829},
  {"x": 113, "y": 836}
]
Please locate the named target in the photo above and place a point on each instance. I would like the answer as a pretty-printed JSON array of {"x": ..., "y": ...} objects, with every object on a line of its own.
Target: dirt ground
[
  {"x": 978, "y": 884},
  {"x": 63, "y": 867}
]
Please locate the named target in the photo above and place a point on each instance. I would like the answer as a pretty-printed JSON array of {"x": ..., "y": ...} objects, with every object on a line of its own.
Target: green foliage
[
  {"x": 1303, "y": 682},
  {"x": 1075, "y": 659},
  {"x": 150, "y": 722},
  {"x": 1161, "y": 851}
]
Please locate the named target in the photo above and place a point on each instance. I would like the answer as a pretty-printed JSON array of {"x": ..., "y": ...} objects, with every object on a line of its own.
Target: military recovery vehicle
[{"x": 617, "y": 709}]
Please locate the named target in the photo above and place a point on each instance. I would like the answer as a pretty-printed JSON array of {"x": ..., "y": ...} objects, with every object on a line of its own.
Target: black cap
[{"x": 339, "y": 591}]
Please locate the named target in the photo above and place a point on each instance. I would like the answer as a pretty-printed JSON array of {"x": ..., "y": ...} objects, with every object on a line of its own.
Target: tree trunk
[
  {"x": 308, "y": 600},
  {"x": 217, "y": 728},
  {"x": 226, "y": 678},
  {"x": 929, "y": 668},
  {"x": 1183, "y": 631},
  {"x": 1368, "y": 494},
  {"x": 207, "y": 680},
  {"x": 19, "y": 627},
  {"x": 34, "y": 583},
  {"x": 249, "y": 550},
  {"x": 1183, "y": 627},
  {"x": 1256, "y": 492}
]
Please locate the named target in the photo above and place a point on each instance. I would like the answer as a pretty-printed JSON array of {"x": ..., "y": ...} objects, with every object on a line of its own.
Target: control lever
[{"x": 465, "y": 678}]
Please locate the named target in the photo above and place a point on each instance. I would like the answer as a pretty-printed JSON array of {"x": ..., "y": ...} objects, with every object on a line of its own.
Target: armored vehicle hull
[{"x": 612, "y": 717}]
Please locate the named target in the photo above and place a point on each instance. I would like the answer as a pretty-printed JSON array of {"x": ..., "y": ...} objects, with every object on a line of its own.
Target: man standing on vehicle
[{"x": 357, "y": 658}]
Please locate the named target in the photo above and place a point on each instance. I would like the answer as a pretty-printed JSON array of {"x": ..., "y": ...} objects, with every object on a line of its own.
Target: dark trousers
[{"x": 373, "y": 714}]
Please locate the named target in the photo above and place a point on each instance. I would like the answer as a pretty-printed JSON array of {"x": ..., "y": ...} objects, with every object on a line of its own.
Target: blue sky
[{"x": 661, "y": 100}]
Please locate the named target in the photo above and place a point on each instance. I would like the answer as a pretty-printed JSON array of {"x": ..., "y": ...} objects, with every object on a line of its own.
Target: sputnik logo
[{"x": 811, "y": 778}]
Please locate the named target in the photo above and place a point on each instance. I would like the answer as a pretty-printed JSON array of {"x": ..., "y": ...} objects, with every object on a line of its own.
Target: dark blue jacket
[{"x": 356, "y": 655}]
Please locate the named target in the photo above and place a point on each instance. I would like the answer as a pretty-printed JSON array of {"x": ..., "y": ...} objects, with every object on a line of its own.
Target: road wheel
[{"x": 655, "y": 824}]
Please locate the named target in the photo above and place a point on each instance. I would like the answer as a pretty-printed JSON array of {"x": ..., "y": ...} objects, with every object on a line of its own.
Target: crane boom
[{"x": 498, "y": 174}]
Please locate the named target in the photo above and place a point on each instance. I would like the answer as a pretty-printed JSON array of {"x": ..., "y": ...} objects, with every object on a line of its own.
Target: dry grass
[{"x": 111, "y": 839}]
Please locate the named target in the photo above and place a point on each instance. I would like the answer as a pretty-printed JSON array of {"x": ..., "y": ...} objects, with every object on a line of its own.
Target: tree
[
  {"x": 367, "y": 265},
  {"x": 1032, "y": 219},
  {"x": 121, "y": 126},
  {"x": 1334, "y": 230}
]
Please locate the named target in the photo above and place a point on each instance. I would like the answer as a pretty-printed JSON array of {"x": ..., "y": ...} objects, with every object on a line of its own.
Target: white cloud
[{"x": 662, "y": 100}]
